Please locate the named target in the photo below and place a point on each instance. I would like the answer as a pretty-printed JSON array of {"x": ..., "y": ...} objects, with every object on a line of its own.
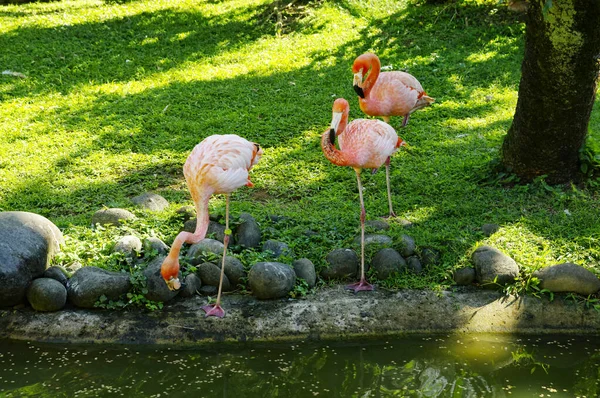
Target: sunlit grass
[{"x": 118, "y": 93}]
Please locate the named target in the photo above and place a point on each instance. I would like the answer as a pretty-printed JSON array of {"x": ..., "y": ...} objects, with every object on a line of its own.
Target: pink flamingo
[
  {"x": 364, "y": 143},
  {"x": 387, "y": 93},
  {"x": 219, "y": 164}
]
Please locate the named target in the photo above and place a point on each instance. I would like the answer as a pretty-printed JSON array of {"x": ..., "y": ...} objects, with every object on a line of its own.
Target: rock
[
  {"x": 208, "y": 290},
  {"x": 155, "y": 245},
  {"x": 464, "y": 276},
  {"x": 205, "y": 245},
  {"x": 430, "y": 257},
  {"x": 129, "y": 245},
  {"x": 191, "y": 286},
  {"x": 156, "y": 285},
  {"x": 277, "y": 248},
  {"x": 374, "y": 239},
  {"x": 218, "y": 231},
  {"x": 305, "y": 269},
  {"x": 190, "y": 225},
  {"x": 27, "y": 244},
  {"x": 58, "y": 274},
  {"x": 490, "y": 263},
  {"x": 414, "y": 265},
  {"x": 406, "y": 224},
  {"x": 377, "y": 225},
  {"x": 112, "y": 217},
  {"x": 407, "y": 246},
  {"x": 74, "y": 267},
  {"x": 342, "y": 264},
  {"x": 47, "y": 294},
  {"x": 209, "y": 275},
  {"x": 234, "y": 270},
  {"x": 568, "y": 277},
  {"x": 271, "y": 280},
  {"x": 150, "y": 201},
  {"x": 187, "y": 212},
  {"x": 89, "y": 283},
  {"x": 387, "y": 262},
  {"x": 490, "y": 229},
  {"x": 248, "y": 233}
]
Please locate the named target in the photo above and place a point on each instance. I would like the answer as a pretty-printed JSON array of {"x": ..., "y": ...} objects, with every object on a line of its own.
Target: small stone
[
  {"x": 205, "y": 245},
  {"x": 209, "y": 274},
  {"x": 271, "y": 280},
  {"x": 464, "y": 276},
  {"x": 405, "y": 223},
  {"x": 407, "y": 246},
  {"x": 490, "y": 229},
  {"x": 414, "y": 265},
  {"x": 217, "y": 231},
  {"x": 277, "y": 248},
  {"x": 190, "y": 225},
  {"x": 341, "y": 264},
  {"x": 491, "y": 264},
  {"x": 88, "y": 284},
  {"x": 430, "y": 257},
  {"x": 234, "y": 270},
  {"x": 155, "y": 283},
  {"x": 58, "y": 274},
  {"x": 305, "y": 269},
  {"x": 155, "y": 245},
  {"x": 374, "y": 239},
  {"x": 47, "y": 294},
  {"x": 150, "y": 201},
  {"x": 248, "y": 233},
  {"x": 377, "y": 225},
  {"x": 129, "y": 245},
  {"x": 112, "y": 216},
  {"x": 186, "y": 212},
  {"x": 387, "y": 262},
  {"x": 191, "y": 286},
  {"x": 568, "y": 277}
]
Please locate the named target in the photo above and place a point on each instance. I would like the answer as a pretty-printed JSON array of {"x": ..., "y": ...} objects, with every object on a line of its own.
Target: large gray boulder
[
  {"x": 271, "y": 280},
  {"x": 191, "y": 286},
  {"x": 387, "y": 262},
  {"x": 568, "y": 277},
  {"x": 341, "y": 264},
  {"x": 234, "y": 270},
  {"x": 157, "y": 288},
  {"x": 88, "y": 284},
  {"x": 491, "y": 264},
  {"x": 150, "y": 201},
  {"x": 210, "y": 274},
  {"x": 248, "y": 233},
  {"x": 46, "y": 294},
  {"x": 305, "y": 269},
  {"x": 27, "y": 243},
  {"x": 114, "y": 217},
  {"x": 205, "y": 245}
]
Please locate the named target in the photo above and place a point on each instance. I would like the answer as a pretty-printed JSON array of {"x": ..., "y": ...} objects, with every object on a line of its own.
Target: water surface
[{"x": 441, "y": 366}]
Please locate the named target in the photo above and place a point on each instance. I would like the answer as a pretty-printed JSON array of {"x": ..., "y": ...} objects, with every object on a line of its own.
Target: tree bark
[{"x": 557, "y": 90}]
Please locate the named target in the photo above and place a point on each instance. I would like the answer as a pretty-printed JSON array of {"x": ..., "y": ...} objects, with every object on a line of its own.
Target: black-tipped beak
[
  {"x": 359, "y": 91},
  {"x": 332, "y": 136}
]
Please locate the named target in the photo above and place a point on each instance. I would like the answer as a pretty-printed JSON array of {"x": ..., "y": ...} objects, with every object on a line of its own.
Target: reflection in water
[{"x": 442, "y": 366}]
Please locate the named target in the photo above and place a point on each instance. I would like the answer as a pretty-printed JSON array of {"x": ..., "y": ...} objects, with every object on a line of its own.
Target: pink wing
[{"x": 368, "y": 143}]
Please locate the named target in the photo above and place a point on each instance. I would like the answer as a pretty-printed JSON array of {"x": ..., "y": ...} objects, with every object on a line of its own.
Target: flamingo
[
  {"x": 219, "y": 164},
  {"x": 387, "y": 93},
  {"x": 364, "y": 143}
]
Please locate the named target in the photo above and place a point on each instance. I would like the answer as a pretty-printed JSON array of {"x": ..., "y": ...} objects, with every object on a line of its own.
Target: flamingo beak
[
  {"x": 335, "y": 122},
  {"x": 332, "y": 136},
  {"x": 173, "y": 284},
  {"x": 357, "y": 84}
]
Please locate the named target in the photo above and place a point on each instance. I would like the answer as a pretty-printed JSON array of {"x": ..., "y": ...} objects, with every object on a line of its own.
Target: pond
[{"x": 424, "y": 366}]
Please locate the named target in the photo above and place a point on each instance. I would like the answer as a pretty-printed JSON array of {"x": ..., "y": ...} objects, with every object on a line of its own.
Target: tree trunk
[{"x": 557, "y": 90}]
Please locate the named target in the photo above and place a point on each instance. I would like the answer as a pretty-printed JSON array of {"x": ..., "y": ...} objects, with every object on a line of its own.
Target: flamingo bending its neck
[
  {"x": 219, "y": 164},
  {"x": 387, "y": 93},
  {"x": 363, "y": 143}
]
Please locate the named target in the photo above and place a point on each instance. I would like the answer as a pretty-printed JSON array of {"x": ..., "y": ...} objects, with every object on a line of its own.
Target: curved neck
[
  {"x": 332, "y": 154},
  {"x": 373, "y": 75},
  {"x": 202, "y": 221}
]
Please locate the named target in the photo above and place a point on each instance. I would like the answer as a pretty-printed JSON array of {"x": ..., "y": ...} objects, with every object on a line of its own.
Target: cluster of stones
[{"x": 492, "y": 268}]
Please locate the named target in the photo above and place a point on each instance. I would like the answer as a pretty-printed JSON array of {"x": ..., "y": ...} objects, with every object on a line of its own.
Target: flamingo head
[
  {"x": 169, "y": 270},
  {"x": 361, "y": 66},
  {"x": 256, "y": 154},
  {"x": 341, "y": 108}
]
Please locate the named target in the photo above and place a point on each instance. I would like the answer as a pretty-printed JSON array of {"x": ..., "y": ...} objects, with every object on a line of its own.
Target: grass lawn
[{"x": 118, "y": 93}]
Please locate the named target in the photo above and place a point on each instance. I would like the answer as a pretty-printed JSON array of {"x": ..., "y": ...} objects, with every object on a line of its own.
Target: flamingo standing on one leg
[
  {"x": 219, "y": 164},
  {"x": 363, "y": 143},
  {"x": 387, "y": 93}
]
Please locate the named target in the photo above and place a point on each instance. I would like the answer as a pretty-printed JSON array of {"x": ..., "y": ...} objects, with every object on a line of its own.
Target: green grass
[{"x": 119, "y": 92}]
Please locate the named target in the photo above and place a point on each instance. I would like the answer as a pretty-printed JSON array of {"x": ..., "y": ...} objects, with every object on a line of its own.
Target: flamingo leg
[
  {"x": 405, "y": 121},
  {"x": 389, "y": 190},
  {"x": 215, "y": 309},
  {"x": 362, "y": 284}
]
